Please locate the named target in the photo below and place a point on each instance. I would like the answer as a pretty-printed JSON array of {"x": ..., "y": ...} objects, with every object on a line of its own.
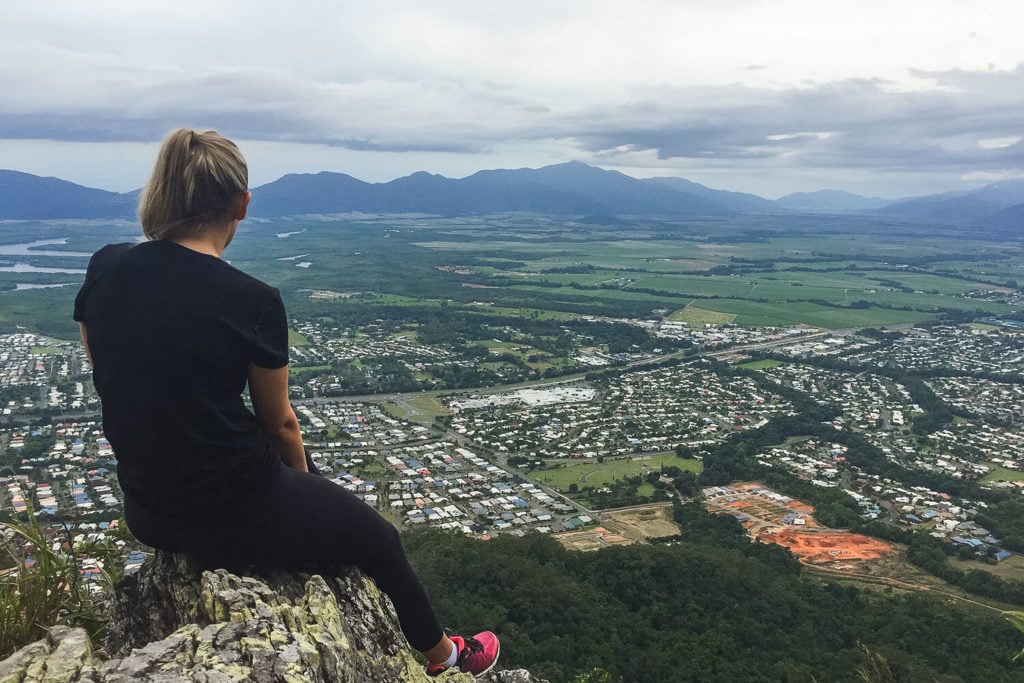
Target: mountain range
[{"x": 572, "y": 188}]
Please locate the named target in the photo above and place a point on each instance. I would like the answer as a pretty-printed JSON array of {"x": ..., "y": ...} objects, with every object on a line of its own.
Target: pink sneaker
[{"x": 477, "y": 655}]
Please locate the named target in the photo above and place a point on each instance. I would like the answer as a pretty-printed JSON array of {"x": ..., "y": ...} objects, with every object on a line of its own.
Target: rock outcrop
[{"x": 171, "y": 622}]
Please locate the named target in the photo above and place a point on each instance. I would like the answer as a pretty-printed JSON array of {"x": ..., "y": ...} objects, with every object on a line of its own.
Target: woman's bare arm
[
  {"x": 85, "y": 341},
  {"x": 269, "y": 392}
]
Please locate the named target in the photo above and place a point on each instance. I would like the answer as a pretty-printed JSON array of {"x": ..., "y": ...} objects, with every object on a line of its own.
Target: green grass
[
  {"x": 47, "y": 351},
  {"x": 695, "y": 315},
  {"x": 295, "y": 370},
  {"x": 1003, "y": 474},
  {"x": 1012, "y": 568},
  {"x": 427, "y": 404},
  {"x": 419, "y": 409},
  {"x": 35, "y": 597},
  {"x": 760, "y": 364},
  {"x": 806, "y": 313},
  {"x": 595, "y": 475},
  {"x": 497, "y": 346},
  {"x": 393, "y": 410},
  {"x": 296, "y": 338}
]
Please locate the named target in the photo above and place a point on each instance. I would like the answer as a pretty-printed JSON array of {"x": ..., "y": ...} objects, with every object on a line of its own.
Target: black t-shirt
[{"x": 172, "y": 333}]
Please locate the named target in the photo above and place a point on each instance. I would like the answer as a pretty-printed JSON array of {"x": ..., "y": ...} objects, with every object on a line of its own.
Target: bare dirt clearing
[{"x": 654, "y": 521}]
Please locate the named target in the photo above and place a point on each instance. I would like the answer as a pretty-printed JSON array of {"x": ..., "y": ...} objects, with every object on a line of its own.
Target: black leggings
[{"x": 303, "y": 520}]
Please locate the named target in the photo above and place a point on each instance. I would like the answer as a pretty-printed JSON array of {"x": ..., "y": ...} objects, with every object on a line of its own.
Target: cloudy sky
[{"x": 881, "y": 97}]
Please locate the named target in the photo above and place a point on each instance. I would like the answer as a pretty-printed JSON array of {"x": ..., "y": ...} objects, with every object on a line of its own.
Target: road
[
  {"x": 886, "y": 581},
  {"x": 402, "y": 398}
]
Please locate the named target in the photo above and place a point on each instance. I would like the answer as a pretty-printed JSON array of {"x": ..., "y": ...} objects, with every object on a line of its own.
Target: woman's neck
[{"x": 211, "y": 240}]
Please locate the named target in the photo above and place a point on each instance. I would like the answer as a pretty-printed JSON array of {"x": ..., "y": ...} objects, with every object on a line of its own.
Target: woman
[{"x": 174, "y": 335}]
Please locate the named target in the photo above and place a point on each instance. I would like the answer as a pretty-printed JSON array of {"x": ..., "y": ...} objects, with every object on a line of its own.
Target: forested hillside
[{"x": 713, "y": 607}]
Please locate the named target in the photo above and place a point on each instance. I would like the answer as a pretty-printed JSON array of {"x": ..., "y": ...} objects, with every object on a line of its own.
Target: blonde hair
[{"x": 196, "y": 180}]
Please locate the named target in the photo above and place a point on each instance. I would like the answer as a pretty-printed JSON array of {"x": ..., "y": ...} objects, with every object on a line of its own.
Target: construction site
[
  {"x": 771, "y": 517},
  {"x": 592, "y": 539}
]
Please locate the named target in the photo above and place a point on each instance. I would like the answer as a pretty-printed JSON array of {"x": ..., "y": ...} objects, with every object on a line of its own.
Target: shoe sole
[{"x": 493, "y": 662}]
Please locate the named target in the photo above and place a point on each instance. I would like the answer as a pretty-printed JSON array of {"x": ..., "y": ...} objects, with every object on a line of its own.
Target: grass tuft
[{"x": 45, "y": 588}]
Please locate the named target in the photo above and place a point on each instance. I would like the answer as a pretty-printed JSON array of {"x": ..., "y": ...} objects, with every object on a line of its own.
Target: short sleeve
[
  {"x": 98, "y": 266},
  {"x": 270, "y": 336}
]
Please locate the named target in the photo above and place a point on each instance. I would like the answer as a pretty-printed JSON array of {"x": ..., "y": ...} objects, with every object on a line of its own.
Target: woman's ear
[{"x": 242, "y": 205}]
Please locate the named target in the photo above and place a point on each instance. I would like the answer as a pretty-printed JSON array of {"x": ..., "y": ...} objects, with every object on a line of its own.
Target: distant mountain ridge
[
  {"x": 830, "y": 201},
  {"x": 571, "y": 189},
  {"x": 961, "y": 205},
  {"x": 30, "y": 197}
]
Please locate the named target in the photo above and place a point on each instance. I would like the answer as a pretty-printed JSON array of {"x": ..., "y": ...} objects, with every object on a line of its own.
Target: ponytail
[{"x": 196, "y": 179}]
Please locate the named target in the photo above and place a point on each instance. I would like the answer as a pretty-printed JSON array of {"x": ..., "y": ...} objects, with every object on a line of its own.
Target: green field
[
  {"x": 1012, "y": 568},
  {"x": 697, "y": 316},
  {"x": 296, "y": 338},
  {"x": 296, "y": 369},
  {"x": 1003, "y": 474},
  {"x": 829, "y": 271},
  {"x": 420, "y": 409},
  {"x": 815, "y": 315},
  {"x": 760, "y": 364},
  {"x": 47, "y": 351},
  {"x": 595, "y": 474}
]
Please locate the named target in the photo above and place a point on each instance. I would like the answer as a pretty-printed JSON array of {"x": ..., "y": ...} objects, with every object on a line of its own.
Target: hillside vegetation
[{"x": 712, "y": 607}]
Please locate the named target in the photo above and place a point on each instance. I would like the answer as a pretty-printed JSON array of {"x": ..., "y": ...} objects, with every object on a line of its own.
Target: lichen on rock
[{"x": 172, "y": 622}]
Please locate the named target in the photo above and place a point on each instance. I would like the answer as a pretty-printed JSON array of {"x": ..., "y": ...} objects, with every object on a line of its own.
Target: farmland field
[{"x": 824, "y": 271}]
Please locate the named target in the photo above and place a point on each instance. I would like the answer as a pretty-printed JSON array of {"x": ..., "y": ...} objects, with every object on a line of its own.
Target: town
[{"x": 477, "y": 462}]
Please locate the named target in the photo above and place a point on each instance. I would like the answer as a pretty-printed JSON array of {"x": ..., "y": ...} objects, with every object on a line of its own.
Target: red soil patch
[
  {"x": 746, "y": 486},
  {"x": 821, "y": 548}
]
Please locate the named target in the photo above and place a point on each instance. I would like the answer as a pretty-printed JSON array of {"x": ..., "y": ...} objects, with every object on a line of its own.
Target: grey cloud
[
  {"x": 371, "y": 146},
  {"x": 870, "y": 124}
]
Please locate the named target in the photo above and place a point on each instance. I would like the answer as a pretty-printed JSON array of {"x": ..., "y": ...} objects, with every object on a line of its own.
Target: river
[{"x": 33, "y": 249}]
